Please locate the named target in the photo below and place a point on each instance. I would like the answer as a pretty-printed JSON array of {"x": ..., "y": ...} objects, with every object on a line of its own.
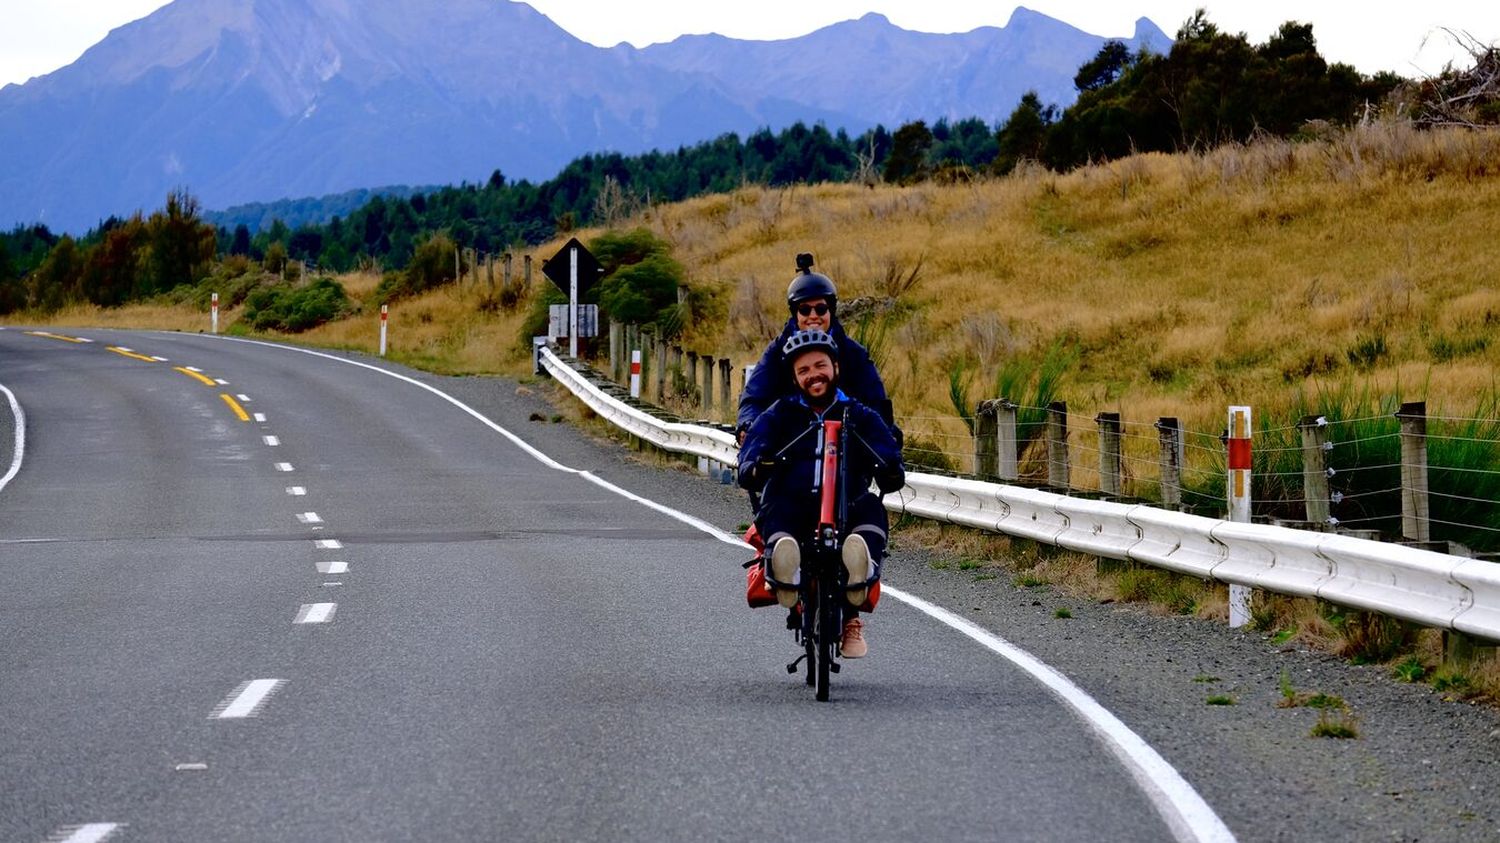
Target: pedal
[
  {"x": 792, "y": 668},
  {"x": 833, "y": 667}
]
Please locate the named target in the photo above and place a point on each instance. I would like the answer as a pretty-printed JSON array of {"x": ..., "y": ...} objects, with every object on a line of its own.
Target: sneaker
[
  {"x": 857, "y": 563},
  {"x": 852, "y": 645},
  {"x": 786, "y": 569}
]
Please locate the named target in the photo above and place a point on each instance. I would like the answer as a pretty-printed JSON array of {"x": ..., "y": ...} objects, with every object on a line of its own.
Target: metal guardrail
[{"x": 1425, "y": 587}]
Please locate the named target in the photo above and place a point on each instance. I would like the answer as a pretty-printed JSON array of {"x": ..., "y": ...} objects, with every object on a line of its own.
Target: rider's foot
[
  {"x": 786, "y": 563},
  {"x": 857, "y": 562},
  {"x": 853, "y": 645}
]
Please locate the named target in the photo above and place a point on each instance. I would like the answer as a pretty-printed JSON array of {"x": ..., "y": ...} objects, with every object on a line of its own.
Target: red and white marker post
[
  {"x": 213, "y": 307},
  {"x": 384, "y": 313},
  {"x": 1237, "y": 492},
  {"x": 635, "y": 373}
]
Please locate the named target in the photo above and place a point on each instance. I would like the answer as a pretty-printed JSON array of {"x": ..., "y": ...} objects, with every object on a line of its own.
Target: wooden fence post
[
  {"x": 690, "y": 376},
  {"x": 1316, "y": 498},
  {"x": 986, "y": 441},
  {"x": 526, "y": 275},
  {"x": 1169, "y": 436},
  {"x": 1415, "y": 519},
  {"x": 724, "y": 370},
  {"x": 1057, "y": 445},
  {"x": 1007, "y": 445},
  {"x": 661, "y": 370},
  {"x": 708, "y": 385},
  {"x": 618, "y": 349},
  {"x": 1110, "y": 464}
]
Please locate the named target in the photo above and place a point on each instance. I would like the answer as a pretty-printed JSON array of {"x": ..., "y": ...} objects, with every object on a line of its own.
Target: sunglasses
[{"x": 810, "y": 309}]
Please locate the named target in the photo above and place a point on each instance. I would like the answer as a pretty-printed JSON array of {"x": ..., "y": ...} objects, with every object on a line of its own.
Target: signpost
[
  {"x": 384, "y": 313},
  {"x": 215, "y": 307},
  {"x": 1238, "y": 493},
  {"x": 575, "y": 271}
]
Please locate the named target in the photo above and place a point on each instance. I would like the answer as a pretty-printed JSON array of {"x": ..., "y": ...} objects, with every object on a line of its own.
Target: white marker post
[
  {"x": 214, "y": 308},
  {"x": 573, "y": 303},
  {"x": 635, "y": 373},
  {"x": 384, "y": 312},
  {"x": 1237, "y": 482}
]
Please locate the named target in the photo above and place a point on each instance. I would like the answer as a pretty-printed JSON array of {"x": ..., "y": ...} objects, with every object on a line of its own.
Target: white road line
[
  {"x": 160, "y": 359},
  {"x": 123, "y": 348},
  {"x": 20, "y": 438},
  {"x": 88, "y": 833},
  {"x": 296, "y": 491},
  {"x": 316, "y": 612},
  {"x": 328, "y": 544},
  {"x": 260, "y": 417},
  {"x": 271, "y": 440},
  {"x": 332, "y": 567},
  {"x": 247, "y": 699},
  {"x": 193, "y": 369},
  {"x": 309, "y": 518},
  {"x": 1185, "y": 812},
  {"x": 221, "y": 382},
  {"x": 283, "y": 466},
  {"x": 243, "y": 398}
]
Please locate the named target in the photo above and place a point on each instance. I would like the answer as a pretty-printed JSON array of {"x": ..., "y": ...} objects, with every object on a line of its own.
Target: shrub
[{"x": 296, "y": 309}]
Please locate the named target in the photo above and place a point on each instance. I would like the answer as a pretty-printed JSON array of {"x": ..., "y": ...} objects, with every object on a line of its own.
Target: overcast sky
[{"x": 39, "y": 36}]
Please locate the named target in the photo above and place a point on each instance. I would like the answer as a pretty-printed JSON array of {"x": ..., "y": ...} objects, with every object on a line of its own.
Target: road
[{"x": 252, "y": 593}]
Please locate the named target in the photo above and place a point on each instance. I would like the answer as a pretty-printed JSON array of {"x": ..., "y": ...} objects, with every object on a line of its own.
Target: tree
[
  {"x": 12, "y": 291},
  {"x": 54, "y": 283},
  {"x": 1024, "y": 135},
  {"x": 241, "y": 242},
  {"x": 1104, "y": 68},
  {"x": 180, "y": 246},
  {"x": 908, "y": 162}
]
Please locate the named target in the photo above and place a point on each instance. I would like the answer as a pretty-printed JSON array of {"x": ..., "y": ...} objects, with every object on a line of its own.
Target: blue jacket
[
  {"x": 870, "y": 454},
  {"x": 772, "y": 378}
]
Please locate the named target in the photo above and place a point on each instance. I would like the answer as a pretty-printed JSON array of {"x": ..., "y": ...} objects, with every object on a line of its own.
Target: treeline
[{"x": 1211, "y": 87}]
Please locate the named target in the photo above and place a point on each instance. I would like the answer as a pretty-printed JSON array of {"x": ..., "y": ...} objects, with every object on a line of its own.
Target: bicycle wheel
[{"x": 827, "y": 638}]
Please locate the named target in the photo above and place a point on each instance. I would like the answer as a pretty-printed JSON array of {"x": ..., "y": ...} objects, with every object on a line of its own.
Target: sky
[{"x": 39, "y": 36}]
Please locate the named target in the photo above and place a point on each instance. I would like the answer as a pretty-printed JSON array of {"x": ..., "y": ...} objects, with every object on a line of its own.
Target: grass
[
  {"x": 1342, "y": 725},
  {"x": 1220, "y": 699},
  {"x": 1062, "y": 613},
  {"x": 1409, "y": 669}
]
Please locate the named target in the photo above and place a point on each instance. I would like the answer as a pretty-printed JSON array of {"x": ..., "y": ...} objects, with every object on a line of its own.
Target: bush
[{"x": 296, "y": 309}]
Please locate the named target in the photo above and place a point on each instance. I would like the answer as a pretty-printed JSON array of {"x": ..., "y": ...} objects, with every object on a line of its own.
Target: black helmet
[
  {"x": 810, "y": 285},
  {"x": 804, "y": 341}
]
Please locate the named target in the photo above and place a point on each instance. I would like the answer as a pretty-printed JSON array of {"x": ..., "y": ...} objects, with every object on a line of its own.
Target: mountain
[{"x": 253, "y": 100}]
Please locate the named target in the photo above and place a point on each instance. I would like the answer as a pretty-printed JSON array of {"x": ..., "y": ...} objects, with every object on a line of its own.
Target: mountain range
[{"x": 254, "y": 100}]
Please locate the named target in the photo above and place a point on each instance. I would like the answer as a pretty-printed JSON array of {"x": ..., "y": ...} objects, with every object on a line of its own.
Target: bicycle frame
[{"x": 821, "y": 594}]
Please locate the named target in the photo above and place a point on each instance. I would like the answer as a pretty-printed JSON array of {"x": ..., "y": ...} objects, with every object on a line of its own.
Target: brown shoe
[
  {"x": 853, "y": 645},
  {"x": 786, "y": 569},
  {"x": 857, "y": 563}
]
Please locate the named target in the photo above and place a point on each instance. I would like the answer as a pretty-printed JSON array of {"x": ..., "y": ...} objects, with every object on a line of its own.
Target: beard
[{"x": 813, "y": 383}]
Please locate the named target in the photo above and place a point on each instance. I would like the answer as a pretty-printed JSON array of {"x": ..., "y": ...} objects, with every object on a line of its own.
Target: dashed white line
[
  {"x": 246, "y": 700},
  {"x": 87, "y": 833},
  {"x": 221, "y": 382},
  {"x": 309, "y": 518},
  {"x": 296, "y": 491},
  {"x": 193, "y": 369},
  {"x": 333, "y": 567},
  {"x": 160, "y": 359},
  {"x": 283, "y": 466},
  {"x": 243, "y": 397},
  {"x": 271, "y": 440},
  {"x": 316, "y": 612},
  {"x": 260, "y": 417},
  {"x": 328, "y": 544}
]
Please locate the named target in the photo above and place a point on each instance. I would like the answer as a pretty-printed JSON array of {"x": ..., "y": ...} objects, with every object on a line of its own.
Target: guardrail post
[
  {"x": 1110, "y": 464},
  {"x": 1316, "y": 498},
  {"x": 1415, "y": 523},
  {"x": 1237, "y": 491},
  {"x": 986, "y": 441},
  {"x": 724, "y": 369},
  {"x": 1057, "y": 445},
  {"x": 617, "y": 344},
  {"x": 1007, "y": 445},
  {"x": 708, "y": 385},
  {"x": 1169, "y": 436}
]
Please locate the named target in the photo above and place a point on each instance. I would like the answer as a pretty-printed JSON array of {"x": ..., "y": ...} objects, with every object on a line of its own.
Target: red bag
[{"x": 757, "y": 593}]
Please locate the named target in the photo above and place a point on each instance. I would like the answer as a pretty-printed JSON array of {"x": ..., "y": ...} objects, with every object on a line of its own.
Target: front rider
[
  {"x": 813, "y": 302},
  {"x": 779, "y": 461}
]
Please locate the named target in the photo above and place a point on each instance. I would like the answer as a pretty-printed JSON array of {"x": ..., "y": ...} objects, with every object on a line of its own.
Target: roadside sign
[{"x": 559, "y": 267}]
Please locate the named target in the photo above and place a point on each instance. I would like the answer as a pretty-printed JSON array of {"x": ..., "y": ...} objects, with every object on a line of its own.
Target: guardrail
[{"x": 1422, "y": 586}]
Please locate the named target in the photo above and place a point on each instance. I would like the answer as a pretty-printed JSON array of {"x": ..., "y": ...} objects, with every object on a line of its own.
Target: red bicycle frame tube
[{"x": 828, "y": 504}]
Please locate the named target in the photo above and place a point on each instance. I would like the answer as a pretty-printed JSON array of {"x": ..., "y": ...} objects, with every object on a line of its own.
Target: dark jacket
[
  {"x": 772, "y": 378},
  {"x": 870, "y": 453}
]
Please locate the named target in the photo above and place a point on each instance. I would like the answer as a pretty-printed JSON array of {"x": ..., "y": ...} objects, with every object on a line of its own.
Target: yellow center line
[
  {"x": 195, "y": 375},
  {"x": 52, "y": 336},
  {"x": 235, "y": 406},
  {"x": 131, "y": 354}
]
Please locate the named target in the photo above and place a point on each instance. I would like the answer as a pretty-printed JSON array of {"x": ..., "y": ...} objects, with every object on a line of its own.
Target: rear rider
[{"x": 813, "y": 302}]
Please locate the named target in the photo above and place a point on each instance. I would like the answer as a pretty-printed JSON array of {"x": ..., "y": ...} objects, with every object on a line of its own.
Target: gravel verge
[{"x": 1422, "y": 768}]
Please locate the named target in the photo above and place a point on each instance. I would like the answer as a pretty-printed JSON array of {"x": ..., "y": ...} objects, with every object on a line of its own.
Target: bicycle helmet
[
  {"x": 804, "y": 341},
  {"x": 810, "y": 285}
]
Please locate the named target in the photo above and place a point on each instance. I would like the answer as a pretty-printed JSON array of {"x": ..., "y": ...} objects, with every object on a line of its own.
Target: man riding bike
[
  {"x": 780, "y": 460},
  {"x": 813, "y": 302}
]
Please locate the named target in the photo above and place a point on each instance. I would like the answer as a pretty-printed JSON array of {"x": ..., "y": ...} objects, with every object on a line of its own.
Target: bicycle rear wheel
[{"x": 828, "y": 632}]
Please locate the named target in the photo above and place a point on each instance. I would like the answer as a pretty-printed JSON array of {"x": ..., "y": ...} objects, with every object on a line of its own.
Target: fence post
[
  {"x": 1110, "y": 464},
  {"x": 708, "y": 385},
  {"x": 1007, "y": 446},
  {"x": 489, "y": 271},
  {"x": 635, "y": 373},
  {"x": 1316, "y": 498},
  {"x": 690, "y": 376},
  {"x": 1415, "y": 523},
  {"x": 986, "y": 440},
  {"x": 661, "y": 369},
  {"x": 526, "y": 275},
  {"x": 617, "y": 349},
  {"x": 505, "y": 260},
  {"x": 1169, "y": 435},
  {"x": 724, "y": 369},
  {"x": 1237, "y": 491},
  {"x": 1057, "y": 445}
]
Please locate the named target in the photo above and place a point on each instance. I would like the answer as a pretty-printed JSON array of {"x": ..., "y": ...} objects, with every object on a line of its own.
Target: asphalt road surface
[{"x": 253, "y": 593}]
